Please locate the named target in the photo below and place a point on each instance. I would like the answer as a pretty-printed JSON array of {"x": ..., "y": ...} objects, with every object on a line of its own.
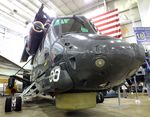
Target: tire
[
  {"x": 99, "y": 98},
  {"x": 8, "y": 104},
  {"x": 102, "y": 98},
  {"x": 18, "y": 106}
]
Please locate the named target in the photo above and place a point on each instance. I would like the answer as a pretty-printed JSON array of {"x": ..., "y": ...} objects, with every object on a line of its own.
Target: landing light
[{"x": 100, "y": 62}]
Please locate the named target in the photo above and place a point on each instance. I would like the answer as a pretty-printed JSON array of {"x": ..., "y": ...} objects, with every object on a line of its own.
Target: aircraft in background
[{"x": 72, "y": 62}]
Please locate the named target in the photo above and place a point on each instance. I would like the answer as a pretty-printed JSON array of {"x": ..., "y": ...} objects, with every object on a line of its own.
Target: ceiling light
[
  {"x": 87, "y": 1},
  {"x": 50, "y": 12}
]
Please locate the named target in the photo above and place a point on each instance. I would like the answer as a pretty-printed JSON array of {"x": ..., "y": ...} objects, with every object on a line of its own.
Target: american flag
[{"x": 108, "y": 23}]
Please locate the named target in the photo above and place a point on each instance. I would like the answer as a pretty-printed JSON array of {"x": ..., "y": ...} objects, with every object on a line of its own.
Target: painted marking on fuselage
[{"x": 55, "y": 74}]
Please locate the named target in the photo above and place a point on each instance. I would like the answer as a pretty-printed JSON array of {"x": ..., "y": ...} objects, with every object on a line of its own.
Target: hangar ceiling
[
  {"x": 21, "y": 11},
  {"x": 24, "y": 9},
  {"x": 15, "y": 13}
]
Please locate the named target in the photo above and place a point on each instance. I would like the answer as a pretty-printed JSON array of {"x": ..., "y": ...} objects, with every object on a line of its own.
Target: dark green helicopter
[{"x": 72, "y": 62}]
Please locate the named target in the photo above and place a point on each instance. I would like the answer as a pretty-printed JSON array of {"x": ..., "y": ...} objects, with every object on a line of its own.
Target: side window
[
  {"x": 43, "y": 50},
  {"x": 46, "y": 42},
  {"x": 47, "y": 45},
  {"x": 57, "y": 49},
  {"x": 49, "y": 42}
]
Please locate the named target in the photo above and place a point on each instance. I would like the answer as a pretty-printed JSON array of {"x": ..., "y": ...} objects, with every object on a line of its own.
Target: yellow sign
[{"x": 3, "y": 80}]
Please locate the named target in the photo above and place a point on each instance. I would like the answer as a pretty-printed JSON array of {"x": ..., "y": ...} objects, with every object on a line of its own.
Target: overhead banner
[{"x": 142, "y": 34}]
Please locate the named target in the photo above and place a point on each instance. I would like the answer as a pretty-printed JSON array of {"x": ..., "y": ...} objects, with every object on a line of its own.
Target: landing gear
[
  {"x": 99, "y": 98},
  {"x": 25, "y": 80},
  {"x": 11, "y": 104},
  {"x": 8, "y": 104},
  {"x": 26, "y": 77},
  {"x": 18, "y": 104},
  {"x": 11, "y": 82}
]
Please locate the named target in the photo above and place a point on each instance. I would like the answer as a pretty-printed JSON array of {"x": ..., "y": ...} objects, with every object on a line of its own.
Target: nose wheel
[
  {"x": 8, "y": 104},
  {"x": 18, "y": 104},
  {"x": 99, "y": 98},
  {"x": 15, "y": 104}
]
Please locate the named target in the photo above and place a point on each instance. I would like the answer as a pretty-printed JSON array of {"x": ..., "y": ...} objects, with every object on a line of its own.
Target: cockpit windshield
[{"x": 74, "y": 24}]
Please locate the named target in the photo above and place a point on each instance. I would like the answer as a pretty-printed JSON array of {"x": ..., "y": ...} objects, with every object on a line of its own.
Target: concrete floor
[{"x": 109, "y": 108}]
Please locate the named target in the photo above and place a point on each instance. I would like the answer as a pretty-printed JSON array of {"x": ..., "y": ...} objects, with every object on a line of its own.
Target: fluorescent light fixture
[
  {"x": 24, "y": 9},
  {"x": 87, "y": 1},
  {"x": 50, "y": 12},
  {"x": 37, "y": 2},
  {"x": 4, "y": 9},
  {"x": 29, "y": 4},
  {"x": 11, "y": 25},
  {"x": 93, "y": 12},
  {"x": 11, "y": 19},
  {"x": 10, "y": 6}
]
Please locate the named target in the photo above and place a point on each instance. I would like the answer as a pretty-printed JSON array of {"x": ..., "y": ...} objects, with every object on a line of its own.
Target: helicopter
[{"x": 71, "y": 62}]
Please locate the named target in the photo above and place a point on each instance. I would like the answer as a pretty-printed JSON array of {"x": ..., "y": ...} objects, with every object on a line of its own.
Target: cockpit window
[
  {"x": 72, "y": 25},
  {"x": 61, "y": 21}
]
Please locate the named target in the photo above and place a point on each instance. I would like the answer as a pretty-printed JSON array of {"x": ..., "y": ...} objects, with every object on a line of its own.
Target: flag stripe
[
  {"x": 105, "y": 21},
  {"x": 116, "y": 20},
  {"x": 108, "y": 23},
  {"x": 106, "y": 18},
  {"x": 115, "y": 34},
  {"x": 112, "y": 32},
  {"x": 104, "y": 13},
  {"x": 94, "y": 19},
  {"x": 107, "y": 28},
  {"x": 118, "y": 36}
]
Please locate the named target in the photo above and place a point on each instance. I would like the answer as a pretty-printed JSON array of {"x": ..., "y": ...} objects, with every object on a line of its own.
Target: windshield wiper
[{"x": 80, "y": 20}]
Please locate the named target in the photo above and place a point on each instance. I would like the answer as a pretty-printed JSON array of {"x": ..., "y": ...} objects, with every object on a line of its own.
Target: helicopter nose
[{"x": 101, "y": 61}]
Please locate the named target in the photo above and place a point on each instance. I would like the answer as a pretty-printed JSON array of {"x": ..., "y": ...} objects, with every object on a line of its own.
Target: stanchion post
[{"x": 119, "y": 96}]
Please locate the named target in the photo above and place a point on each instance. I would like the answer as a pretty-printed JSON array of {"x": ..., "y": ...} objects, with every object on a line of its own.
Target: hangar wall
[{"x": 144, "y": 8}]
